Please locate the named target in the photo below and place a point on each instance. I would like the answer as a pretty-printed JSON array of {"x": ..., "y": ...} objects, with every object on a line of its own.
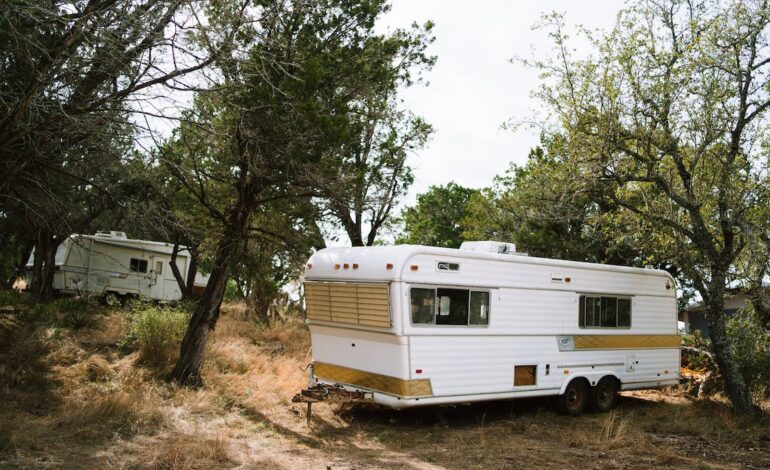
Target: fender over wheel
[{"x": 574, "y": 399}]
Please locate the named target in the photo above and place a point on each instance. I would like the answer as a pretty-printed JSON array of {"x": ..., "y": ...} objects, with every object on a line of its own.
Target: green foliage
[
  {"x": 546, "y": 211},
  {"x": 438, "y": 217},
  {"x": 157, "y": 331},
  {"x": 751, "y": 347},
  {"x": 68, "y": 312}
]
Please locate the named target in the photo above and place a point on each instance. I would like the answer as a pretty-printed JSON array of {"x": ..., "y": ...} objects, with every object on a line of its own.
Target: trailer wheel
[
  {"x": 604, "y": 395},
  {"x": 111, "y": 299},
  {"x": 574, "y": 399}
]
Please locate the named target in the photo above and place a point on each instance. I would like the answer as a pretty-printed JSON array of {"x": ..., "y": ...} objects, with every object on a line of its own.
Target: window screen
[
  {"x": 444, "y": 306},
  {"x": 479, "y": 314},
  {"x": 424, "y": 306},
  {"x": 452, "y": 307},
  {"x": 604, "y": 312},
  {"x": 138, "y": 265}
]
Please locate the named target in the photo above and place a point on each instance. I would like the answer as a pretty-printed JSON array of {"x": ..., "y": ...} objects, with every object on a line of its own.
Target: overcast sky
[{"x": 474, "y": 88}]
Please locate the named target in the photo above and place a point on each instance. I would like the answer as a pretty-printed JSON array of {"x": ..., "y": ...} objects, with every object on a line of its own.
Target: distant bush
[
  {"x": 157, "y": 331},
  {"x": 70, "y": 312}
]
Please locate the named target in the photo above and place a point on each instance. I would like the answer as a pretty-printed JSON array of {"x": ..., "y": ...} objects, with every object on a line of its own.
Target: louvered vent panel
[{"x": 354, "y": 304}]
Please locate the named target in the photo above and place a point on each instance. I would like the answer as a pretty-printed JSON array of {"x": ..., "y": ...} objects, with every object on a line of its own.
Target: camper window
[
  {"x": 453, "y": 307},
  {"x": 443, "y": 306},
  {"x": 479, "y": 308},
  {"x": 604, "y": 312},
  {"x": 138, "y": 265},
  {"x": 423, "y": 306}
]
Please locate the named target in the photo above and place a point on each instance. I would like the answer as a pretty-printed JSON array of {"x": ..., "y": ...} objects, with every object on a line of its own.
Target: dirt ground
[{"x": 79, "y": 399}]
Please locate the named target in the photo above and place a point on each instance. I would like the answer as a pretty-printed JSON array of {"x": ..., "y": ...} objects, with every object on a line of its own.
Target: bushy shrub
[
  {"x": 157, "y": 331},
  {"x": 751, "y": 347}
]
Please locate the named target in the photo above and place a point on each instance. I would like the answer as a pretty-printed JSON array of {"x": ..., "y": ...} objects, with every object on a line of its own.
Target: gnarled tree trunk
[
  {"x": 44, "y": 266},
  {"x": 735, "y": 387},
  {"x": 204, "y": 319}
]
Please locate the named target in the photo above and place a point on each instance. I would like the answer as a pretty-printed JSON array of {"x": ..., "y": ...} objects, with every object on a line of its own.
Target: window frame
[
  {"x": 435, "y": 288},
  {"x": 581, "y": 311},
  {"x": 139, "y": 263}
]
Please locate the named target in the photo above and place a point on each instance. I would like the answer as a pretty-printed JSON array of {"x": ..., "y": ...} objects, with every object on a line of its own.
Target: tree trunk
[
  {"x": 18, "y": 270},
  {"x": 735, "y": 387},
  {"x": 44, "y": 266},
  {"x": 189, "y": 291},
  {"x": 175, "y": 270},
  {"x": 204, "y": 319}
]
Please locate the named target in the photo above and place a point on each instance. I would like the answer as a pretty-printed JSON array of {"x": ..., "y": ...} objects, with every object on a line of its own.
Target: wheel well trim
[{"x": 591, "y": 379}]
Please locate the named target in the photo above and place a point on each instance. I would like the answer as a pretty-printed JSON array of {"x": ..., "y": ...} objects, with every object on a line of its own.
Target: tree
[
  {"x": 547, "y": 212},
  {"x": 670, "y": 115},
  {"x": 438, "y": 217},
  {"x": 362, "y": 183},
  {"x": 69, "y": 74},
  {"x": 284, "y": 104}
]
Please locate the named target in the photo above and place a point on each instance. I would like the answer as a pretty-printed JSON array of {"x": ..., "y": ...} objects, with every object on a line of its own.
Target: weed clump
[{"x": 156, "y": 331}]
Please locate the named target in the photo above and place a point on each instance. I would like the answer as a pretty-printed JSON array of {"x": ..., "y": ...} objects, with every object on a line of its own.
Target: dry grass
[{"x": 78, "y": 398}]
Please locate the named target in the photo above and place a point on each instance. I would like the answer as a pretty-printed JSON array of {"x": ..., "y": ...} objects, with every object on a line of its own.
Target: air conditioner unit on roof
[{"x": 490, "y": 246}]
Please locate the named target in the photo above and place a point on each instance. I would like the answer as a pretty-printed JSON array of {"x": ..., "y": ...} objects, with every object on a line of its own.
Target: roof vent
[
  {"x": 490, "y": 247},
  {"x": 112, "y": 234}
]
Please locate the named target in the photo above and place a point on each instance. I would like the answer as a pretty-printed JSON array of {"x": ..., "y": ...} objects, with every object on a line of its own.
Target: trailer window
[
  {"x": 138, "y": 265},
  {"x": 604, "y": 312},
  {"x": 479, "y": 308},
  {"x": 423, "y": 306},
  {"x": 453, "y": 307},
  {"x": 444, "y": 306}
]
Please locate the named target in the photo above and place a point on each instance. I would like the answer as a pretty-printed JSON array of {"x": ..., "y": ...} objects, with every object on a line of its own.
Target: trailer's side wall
[
  {"x": 94, "y": 266},
  {"x": 531, "y": 307}
]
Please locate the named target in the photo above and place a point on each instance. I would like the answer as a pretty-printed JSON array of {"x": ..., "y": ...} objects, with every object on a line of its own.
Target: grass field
[{"x": 80, "y": 398}]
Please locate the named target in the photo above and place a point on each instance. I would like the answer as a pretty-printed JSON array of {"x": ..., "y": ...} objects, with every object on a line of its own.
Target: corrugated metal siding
[{"x": 349, "y": 303}]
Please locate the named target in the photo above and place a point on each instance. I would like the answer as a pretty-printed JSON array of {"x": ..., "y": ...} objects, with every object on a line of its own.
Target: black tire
[
  {"x": 111, "y": 299},
  {"x": 604, "y": 395},
  {"x": 574, "y": 399}
]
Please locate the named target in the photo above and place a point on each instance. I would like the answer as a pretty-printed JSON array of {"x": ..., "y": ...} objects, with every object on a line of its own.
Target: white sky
[{"x": 474, "y": 88}]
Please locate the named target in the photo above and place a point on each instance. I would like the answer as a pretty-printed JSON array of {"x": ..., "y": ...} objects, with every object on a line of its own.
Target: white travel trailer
[
  {"x": 414, "y": 325},
  {"x": 111, "y": 265}
]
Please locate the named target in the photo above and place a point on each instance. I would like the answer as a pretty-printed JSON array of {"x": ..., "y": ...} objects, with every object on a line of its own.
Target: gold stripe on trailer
[
  {"x": 626, "y": 341},
  {"x": 372, "y": 381}
]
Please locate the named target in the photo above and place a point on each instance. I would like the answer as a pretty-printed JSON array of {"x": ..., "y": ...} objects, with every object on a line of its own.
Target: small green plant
[{"x": 156, "y": 331}]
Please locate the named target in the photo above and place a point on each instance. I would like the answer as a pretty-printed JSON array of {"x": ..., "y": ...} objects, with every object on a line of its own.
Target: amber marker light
[
  {"x": 310, "y": 266},
  {"x": 566, "y": 371},
  {"x": 346, "y": 265},
  {"x": 337, "y": 266},
  {"x": 389, "y": 266},
  {"x": 414, "y": 267},
  {"x": 355, "y": 265}
]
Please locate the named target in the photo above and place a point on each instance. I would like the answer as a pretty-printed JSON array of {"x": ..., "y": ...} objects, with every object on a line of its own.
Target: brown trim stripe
[
  {"x": 372, "y": 381},
  {"x": 626, "y": 341}
]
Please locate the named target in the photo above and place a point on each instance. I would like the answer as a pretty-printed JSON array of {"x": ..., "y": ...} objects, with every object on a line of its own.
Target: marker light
[
  {"x": 346, "y": 265},
  {"x": 414, "y": 267},
  {"x": 566, "y": 371},
  {"x": 389, "y": 266},
  {"x": 310, "y": 266},
  {"x": 418, "y": 371},
  {"x": 355, "y": 265},
  {"x": 337, "y": 266},
  {"x": 567, "y": 279}
]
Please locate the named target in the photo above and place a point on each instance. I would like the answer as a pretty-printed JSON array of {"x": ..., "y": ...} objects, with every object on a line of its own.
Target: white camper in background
[
  {"x": 111, "y": 265},
  {"x": 414, "y": 325}
]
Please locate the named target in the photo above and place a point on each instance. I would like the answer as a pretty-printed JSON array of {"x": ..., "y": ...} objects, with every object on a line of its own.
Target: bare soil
[{"x": 79, "y": 399}]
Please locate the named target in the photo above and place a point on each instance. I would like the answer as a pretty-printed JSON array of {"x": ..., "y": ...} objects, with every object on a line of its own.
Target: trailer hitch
[{"x": 316, "y": 393}]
